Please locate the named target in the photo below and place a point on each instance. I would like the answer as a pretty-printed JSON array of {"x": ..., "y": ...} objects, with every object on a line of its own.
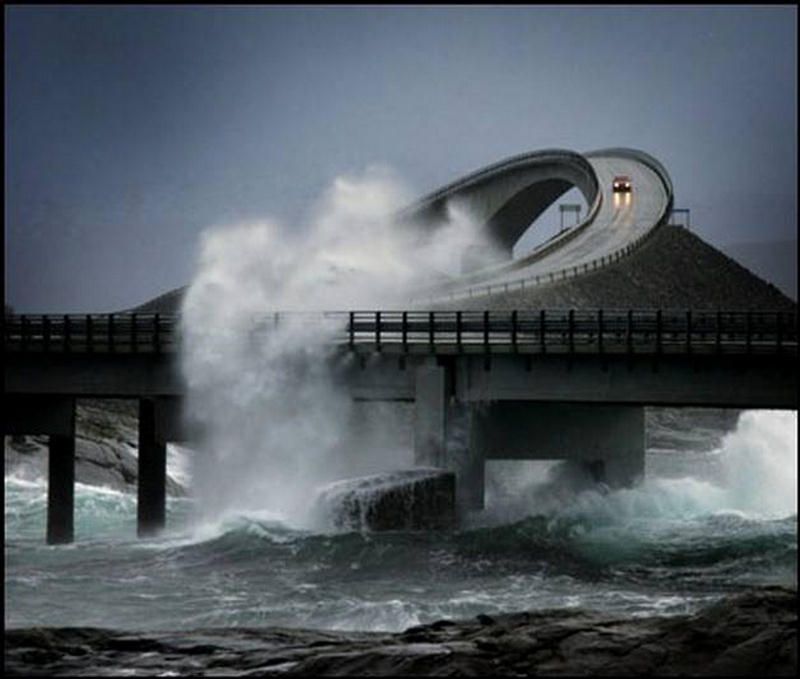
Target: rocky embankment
[
  {"x": 673, "y": 269},
  {"x": 105, "y": 448},
  {"x": 751, "y": 634}
]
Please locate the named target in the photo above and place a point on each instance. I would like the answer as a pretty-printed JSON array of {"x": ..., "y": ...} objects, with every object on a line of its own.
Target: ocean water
[{"x": 704, "y": 523}]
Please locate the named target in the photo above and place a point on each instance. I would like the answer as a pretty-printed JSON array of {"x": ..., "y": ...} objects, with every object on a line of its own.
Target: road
[{"x": 621, "y": 220}]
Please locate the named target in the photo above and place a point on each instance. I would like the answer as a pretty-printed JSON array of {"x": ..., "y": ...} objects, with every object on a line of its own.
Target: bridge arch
[{"x": 511, "y": 194}]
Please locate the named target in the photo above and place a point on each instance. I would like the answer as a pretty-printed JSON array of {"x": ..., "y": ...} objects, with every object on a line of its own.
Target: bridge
[
  {"x": 551, "y": 381},
  {"x": 530, "y": 383}
]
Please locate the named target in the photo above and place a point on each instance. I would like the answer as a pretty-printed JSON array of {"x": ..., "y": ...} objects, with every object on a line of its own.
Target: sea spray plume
[
  {"x": 276, "y": 425},
  {"x": 759, "y": 461}
]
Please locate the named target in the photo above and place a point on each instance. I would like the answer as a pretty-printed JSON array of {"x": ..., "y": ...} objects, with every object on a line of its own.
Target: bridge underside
[
  {"x": 468, "y": 408},
  {"x": 586, "y": 411}
]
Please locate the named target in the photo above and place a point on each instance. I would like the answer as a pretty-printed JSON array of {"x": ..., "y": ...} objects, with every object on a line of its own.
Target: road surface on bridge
[{"x": 620, "y": 221}]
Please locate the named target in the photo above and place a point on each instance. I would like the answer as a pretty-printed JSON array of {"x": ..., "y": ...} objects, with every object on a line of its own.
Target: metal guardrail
[
  {"x": 91, "y": 333},
  {"x": 561, "y": 331},
  {"x": 571, "y": 331}
]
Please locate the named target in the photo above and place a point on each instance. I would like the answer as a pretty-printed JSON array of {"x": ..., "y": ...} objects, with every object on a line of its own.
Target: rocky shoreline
[{"x": 749, "y": 634}]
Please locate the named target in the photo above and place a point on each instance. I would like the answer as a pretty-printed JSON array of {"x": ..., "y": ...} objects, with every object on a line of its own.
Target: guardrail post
[
  {"x": 89, "y": 334},
  {"x": 157, "y": 333},
  {"x": 688, "y": 331},
  {"x": 111, "y": 333},
  {"x": 458, "y": 331},
  {"x": 571, "y": 331},
  {"x": 66, "y": 333},
  {"x": 377, "y": 331},
  {"x": 599, "y": 331},
  {"x": 404, "y": 331},
  {"x": 718, "y": 342},
  {"x": 749, "y": 332},
  {"x": 46, "y": 332},
  {"x": 23, "y": 335},
  {"x": 134, "y": 333},
  {"x": 351, "y": 330},
  {"x": 514, "y": 330},
  {"x": 542, "y": 343},
  {"x": 431, "y": 338}
]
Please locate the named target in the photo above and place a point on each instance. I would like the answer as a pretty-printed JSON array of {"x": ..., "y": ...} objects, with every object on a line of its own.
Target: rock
[
  {"x": 106, "y": 436},
  {"x": 414, "y": 499},
  {"x": 750, "y": 634},
  {"x": 672, "y": 269}
]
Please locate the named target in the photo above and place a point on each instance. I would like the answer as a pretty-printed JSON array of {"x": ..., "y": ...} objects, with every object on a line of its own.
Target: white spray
[
  {"x": 756, "y": 476},
  {"x": 276, "y": 423}
]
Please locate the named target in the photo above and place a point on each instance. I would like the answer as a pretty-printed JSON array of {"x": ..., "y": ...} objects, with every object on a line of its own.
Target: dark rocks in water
[
  {"x": 750, "y": 634},
  {"x": 106, "y": 436},
  {"x": 414, "y": 499}
]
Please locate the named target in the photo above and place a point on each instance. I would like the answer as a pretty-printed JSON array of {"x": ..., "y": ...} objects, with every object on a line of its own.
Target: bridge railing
[
  {"x": 88, "y": 333},
  {"x": 573, "y": 331},
  {"x": 527, "y": 331}
]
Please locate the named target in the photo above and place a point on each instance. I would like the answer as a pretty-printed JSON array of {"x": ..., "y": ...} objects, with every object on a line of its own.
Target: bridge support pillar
[
  {"x": 61, "y": 489},
  {"x": 152, "y": 489},
  {"x": 463, "y": 456},
  {"x": 607, "y": 439},
  {"x": 53, "y": 416},
  {"x": 430, "y": 416}
]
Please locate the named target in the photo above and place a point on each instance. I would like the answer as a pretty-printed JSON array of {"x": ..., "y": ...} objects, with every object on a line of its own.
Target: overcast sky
[{"x": 131, "y": 129}]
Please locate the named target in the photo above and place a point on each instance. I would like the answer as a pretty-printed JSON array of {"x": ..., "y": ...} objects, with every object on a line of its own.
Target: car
[{"x": 622, "y": 183}]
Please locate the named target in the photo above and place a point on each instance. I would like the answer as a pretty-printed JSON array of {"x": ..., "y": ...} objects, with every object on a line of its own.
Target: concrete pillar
[
  {"x": 464, "y": 457},
  {"x": 609, "y": 439},
  {"x": 622, "y": 463},
  {"x": 61, "y": 489},
  {"x": 430, "y": 415},
  {"x": 152, "y": 490},
  {"x": 55, "y": 417}
]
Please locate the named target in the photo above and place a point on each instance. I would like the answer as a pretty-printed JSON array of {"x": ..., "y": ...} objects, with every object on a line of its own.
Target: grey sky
[{"x": 131, "y": 129}]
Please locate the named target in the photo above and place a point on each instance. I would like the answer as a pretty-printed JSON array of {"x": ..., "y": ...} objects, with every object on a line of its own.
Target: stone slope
[{"x": 673, "y": 268}]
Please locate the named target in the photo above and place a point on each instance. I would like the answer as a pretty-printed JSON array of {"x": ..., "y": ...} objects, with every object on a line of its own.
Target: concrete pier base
[
  {"x": 152, "y": 489},
  {"x": 61, "y": 490}
]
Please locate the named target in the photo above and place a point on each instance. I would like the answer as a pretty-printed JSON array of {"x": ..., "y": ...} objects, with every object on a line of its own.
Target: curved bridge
[{"x": 508, "y": 196}]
